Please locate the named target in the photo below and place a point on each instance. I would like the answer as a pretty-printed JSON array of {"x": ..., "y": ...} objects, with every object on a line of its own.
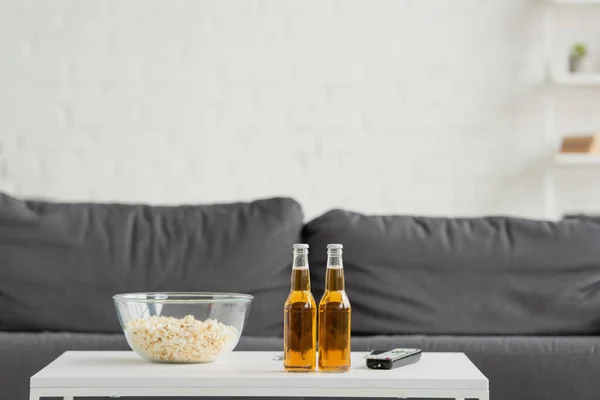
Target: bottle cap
[
  {"x": 300, "y": 246},
  {"x": 334, "y": 247}
]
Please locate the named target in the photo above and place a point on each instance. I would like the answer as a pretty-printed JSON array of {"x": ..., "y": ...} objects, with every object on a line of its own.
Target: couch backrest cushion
[
  {"x": 496, "y": 275},
  {"x": 60, "y": 264}
]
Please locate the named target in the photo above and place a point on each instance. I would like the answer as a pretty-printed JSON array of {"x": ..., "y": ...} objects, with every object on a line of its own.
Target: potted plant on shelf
[{"x": 578, "y": 58}]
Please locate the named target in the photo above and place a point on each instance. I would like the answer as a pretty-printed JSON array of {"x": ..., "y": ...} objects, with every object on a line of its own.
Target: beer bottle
[
  {"x": 300, "y": 318},
  {"x": 334, "y": 316}
]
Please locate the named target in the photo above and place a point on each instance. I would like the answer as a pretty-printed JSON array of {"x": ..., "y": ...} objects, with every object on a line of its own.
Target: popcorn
[{"x": 180, "y": 339}]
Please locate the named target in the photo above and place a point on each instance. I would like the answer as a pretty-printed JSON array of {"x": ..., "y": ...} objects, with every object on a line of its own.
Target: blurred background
[{"x": 430, "y": 107}]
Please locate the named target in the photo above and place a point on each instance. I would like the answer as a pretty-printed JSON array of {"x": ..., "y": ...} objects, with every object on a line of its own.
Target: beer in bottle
[
  {"x": 334, "y": 316},
  {"x": 300, "y": 315}
]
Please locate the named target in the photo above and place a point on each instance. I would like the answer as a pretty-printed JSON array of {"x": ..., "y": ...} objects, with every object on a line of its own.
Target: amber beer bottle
[
  {"x": 300, "y": 318},
  {"x": 334, "y": 316}
]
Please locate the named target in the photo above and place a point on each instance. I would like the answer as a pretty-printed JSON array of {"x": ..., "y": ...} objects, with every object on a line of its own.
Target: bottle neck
[
  {"x": 334, "y": 278},
  {"x": 334, "y": 260},
  {"x": 300, "y": 259},
  {"x": 300, "y": 272}
]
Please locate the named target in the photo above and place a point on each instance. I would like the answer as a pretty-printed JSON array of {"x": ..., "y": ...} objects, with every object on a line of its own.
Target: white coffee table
[{"x": 253, "y": 374}]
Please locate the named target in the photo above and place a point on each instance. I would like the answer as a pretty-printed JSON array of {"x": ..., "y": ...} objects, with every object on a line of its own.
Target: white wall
[{"x": 406, "y": 106}]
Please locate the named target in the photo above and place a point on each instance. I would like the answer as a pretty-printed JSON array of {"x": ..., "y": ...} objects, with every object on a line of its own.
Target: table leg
[
  {"x": 34, "y": 394},
  {"x": 484, "y": 396}
]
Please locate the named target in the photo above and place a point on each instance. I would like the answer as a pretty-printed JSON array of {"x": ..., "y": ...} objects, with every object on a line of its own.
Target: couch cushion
[
  {"x": 593, "y": 217},
  {"x": 61, "y": 263},
  {"x": 519, "y": 368},
  {"x": 495, "y": 275},
  {"x": 24, "y": 354}
]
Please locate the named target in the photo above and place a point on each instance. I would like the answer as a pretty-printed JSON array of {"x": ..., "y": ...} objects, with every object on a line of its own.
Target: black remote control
[{"x": 394, "y": 358}]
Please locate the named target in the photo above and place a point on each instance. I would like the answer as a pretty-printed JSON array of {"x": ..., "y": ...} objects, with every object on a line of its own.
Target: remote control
[{"x": 393, "y": 358}]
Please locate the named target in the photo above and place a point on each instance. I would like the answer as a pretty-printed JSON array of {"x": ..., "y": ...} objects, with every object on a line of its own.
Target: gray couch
[{"x": 521, "y": 298}]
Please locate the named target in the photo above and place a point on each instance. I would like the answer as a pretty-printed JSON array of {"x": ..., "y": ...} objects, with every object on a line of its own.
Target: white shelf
[
  {"x": 579, "y": 79},
  {"x": 589, "y": 160}
]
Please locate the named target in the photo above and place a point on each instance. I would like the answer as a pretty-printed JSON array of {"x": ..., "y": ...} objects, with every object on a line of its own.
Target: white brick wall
[{"x": 404, "y": 106}]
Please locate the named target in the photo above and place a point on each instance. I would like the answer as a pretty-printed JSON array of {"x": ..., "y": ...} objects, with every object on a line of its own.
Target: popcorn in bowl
[{"x": 185, "y": 339}]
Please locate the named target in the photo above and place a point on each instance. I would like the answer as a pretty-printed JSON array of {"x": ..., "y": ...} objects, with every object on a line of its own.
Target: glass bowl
[{"x": 182, "y": 327}]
